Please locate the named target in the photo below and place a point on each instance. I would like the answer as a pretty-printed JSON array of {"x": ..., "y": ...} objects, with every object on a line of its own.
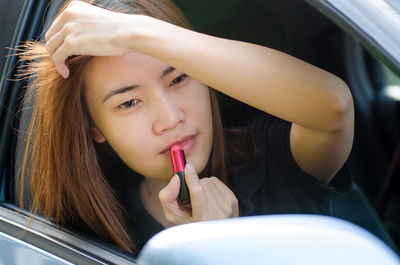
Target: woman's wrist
[
  {"x": 158, "y": 39},
  {"x": 144, "y": 34}
]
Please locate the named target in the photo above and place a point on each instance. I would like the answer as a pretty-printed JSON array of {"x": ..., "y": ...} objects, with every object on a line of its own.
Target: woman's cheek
[{"x": 200, "y": 113}]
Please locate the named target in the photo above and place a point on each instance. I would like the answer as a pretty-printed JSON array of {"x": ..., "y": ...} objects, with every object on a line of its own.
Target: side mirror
[{"x": 273, "y": 239}]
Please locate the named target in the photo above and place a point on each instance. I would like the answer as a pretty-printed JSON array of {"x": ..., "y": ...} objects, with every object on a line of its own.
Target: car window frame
[
  {"x": 72, "y": 247},
  {"x": 347, "y": 15}
]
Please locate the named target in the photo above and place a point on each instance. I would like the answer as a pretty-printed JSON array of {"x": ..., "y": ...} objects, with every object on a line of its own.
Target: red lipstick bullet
[{"x": 178, "y": 165}]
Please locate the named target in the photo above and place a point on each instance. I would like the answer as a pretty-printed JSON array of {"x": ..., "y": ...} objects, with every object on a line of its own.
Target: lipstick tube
[{"x": 178, "y": 165}]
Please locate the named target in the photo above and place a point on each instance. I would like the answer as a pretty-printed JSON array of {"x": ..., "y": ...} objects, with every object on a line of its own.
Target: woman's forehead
[
  {"x": 115, "y": 71},
  {"x": 137, "y": 62}
]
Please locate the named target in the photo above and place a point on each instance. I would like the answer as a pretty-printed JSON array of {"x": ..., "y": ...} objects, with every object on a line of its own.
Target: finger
[
  {"x": 168, "y": 198},
  {"x": 218, "y": 204},
  {"x": 212, "y": 184},
  {"x": 208, "y": 189},
  {"x": 192, "y": 181},
  {"x": 236, "y": 211},
  {"x": 59, "y": 58},
  {"x": 198, "y": 196},
  {"x": 61, "y": 19},
  {"x": 53, "y": 44},
  {"x": 219, "y": 187},
  {"x": 57, "y": 24},
  {"x": 170, "y": 192},
  {"x": 224, "y": 194},
  {"x": 55, "y": 27}
]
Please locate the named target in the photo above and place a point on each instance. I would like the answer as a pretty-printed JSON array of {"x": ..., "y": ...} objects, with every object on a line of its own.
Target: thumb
[
  {"x": 170, "y": 192},
  {"x": 168, "y": 197}
]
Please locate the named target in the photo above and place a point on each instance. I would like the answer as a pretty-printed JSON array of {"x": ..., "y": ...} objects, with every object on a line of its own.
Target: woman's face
[{"x": 142, "y": 106}]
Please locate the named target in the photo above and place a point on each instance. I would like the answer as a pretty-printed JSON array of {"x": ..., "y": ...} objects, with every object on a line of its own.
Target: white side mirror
[{"x": 273, "y": 239}]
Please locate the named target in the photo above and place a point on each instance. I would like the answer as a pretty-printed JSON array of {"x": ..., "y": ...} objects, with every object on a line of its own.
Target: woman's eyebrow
[
  {"x": 167, "y": 71},
  {"x": 119, "y": 91}
]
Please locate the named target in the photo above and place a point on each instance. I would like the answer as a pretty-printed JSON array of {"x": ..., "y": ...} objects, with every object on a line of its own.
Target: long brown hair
[{"x": 66, "y": 180}]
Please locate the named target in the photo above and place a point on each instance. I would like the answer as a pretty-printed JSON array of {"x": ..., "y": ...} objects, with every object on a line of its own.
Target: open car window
[{"x": 391, "y": 83}]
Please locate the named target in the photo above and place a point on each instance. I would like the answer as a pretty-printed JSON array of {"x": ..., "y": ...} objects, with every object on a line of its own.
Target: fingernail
[
  {"x": 174, "y": 178},
  {"x": 190, "y": 168},
  {"x": 65, "y": 73}
]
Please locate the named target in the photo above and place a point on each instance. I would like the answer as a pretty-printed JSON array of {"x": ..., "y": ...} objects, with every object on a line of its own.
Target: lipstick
[{"x": 178, "y": 165}]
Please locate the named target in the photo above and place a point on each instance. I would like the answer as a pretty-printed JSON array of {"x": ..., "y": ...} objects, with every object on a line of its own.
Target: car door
[{"x": 25, "y": 238}]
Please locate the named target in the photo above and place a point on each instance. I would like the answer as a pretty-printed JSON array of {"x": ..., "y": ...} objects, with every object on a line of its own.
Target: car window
[
  {"x": 9, "y": 21},
  {"x": 9, "y": 15},
  {"x": 2, "y": 197},
  {"x": 386, "y": 89},
  {"x": 391, "y": 83}
]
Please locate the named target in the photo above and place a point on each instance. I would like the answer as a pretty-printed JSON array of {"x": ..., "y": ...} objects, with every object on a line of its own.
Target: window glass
[
  {"x": 9, "y": 12},
  {"x": 2, "y": 190},
  {"x": 391, "y": 83}
]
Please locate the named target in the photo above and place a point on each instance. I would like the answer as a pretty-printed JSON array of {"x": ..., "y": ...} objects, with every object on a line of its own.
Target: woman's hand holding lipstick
[{"x": 210, "y": 199}]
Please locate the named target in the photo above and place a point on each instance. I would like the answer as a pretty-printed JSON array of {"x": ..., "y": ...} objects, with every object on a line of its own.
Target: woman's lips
[{"x": 187, "y": 143}]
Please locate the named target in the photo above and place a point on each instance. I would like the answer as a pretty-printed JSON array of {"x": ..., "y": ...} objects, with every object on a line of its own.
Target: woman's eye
[
  {"x": 179, "y": 79},
  {"x": 128, "y": 104}
]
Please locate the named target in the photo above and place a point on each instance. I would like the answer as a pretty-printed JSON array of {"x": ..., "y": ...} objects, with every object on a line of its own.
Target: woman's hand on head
[
  {"x": 84, "y": 29},
  {"x": 210, "y": 199}
]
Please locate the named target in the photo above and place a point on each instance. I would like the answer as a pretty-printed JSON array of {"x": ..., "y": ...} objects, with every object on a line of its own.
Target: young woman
[{"x": 130, "y": 77}]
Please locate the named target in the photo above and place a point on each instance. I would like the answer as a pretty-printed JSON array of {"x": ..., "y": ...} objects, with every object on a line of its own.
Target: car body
[{"x": 356, "y": 40}]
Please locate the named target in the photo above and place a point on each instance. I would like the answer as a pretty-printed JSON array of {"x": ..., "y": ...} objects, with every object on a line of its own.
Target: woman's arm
[{"x": 318, "y": 104}]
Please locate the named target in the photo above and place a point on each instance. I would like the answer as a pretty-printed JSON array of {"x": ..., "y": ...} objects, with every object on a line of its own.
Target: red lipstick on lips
[{"x": 178, "y": 165}]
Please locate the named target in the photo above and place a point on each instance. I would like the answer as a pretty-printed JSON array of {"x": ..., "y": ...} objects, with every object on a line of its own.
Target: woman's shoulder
[{"x": 273, "y": 172}]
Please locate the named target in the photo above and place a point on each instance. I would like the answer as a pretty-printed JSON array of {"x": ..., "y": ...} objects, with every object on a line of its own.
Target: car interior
[{"x": 291, "y": 26}]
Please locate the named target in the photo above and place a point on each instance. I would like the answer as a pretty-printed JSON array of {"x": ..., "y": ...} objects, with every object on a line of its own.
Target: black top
[
  {"x": 274, "y": 184},
  {"x": 271, "y": 184}
]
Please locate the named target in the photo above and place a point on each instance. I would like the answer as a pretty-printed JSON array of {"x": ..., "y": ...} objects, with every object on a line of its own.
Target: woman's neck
[
  {"x": 149, "y": 190},
  {"x": 154, "y": 185}
]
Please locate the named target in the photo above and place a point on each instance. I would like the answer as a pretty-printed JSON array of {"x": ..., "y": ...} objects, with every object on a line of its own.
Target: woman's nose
[{"x": 168, "y": 114}]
